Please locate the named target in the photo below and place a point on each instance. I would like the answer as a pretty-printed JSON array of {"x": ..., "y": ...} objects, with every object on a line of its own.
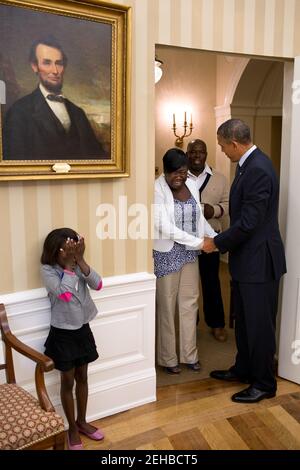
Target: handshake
[{"x": 208, "y": 245}]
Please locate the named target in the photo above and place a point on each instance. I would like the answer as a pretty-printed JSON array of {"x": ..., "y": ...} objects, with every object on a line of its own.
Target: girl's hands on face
[
  {"x": 72, "y": 253},
  {"x": 67, "y": 253},
  {"x": 79, "y": 250}
]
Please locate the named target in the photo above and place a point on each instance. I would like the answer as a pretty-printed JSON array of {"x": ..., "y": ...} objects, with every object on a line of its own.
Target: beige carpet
[{"x": 212, "y": 353}]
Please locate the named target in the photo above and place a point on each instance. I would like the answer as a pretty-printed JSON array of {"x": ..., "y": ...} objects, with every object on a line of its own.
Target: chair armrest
[{"x": 43, "y": 362}]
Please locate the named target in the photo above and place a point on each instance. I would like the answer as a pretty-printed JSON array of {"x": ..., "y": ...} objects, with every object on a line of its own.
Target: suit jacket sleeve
[{"x": 257, "y": 189}]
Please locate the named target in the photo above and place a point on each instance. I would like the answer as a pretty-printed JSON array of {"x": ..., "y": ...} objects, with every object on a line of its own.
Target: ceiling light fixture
[{"x": 158, "y": 70}]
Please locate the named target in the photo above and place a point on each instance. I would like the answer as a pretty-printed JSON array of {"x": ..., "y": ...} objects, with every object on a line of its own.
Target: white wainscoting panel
[{"x": 124, "y": 375}]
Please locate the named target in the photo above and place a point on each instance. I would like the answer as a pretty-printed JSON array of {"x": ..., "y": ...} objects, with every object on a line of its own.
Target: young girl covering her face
[{"x": 70, "y": 342}]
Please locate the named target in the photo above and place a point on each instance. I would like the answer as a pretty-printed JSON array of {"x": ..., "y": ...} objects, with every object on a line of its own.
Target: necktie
[
  {"x": 58, "y": 98},
  {"x": 237, "y": 170}
]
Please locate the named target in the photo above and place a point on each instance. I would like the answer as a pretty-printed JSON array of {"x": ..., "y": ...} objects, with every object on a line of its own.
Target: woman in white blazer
[{"x": 180, "y": 228}]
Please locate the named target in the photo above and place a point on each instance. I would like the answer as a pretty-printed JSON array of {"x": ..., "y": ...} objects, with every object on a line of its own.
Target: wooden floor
[{"x": 200, "y": 415}]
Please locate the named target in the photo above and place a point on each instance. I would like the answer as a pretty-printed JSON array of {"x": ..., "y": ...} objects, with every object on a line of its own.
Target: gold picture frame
[{"x": 64, "y": 89}]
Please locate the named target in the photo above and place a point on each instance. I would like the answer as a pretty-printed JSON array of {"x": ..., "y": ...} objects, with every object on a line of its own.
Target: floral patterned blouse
[{"x": 187, "y": 214}]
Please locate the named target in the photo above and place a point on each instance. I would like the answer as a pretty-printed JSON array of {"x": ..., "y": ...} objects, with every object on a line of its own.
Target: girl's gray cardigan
[{"x": 71, "y": 302}]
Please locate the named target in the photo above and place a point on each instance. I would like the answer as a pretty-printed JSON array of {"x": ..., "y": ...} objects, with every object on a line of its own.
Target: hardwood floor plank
[
  {"x": 162, "y": 444},
  {"x": 240, "y": 424},
  {"x": 189, "y": 440},
  {"x": 293, "y": 408},
  {"x": 138, "y": 439},
  {"x": 288, "y": 422},
  {"x": 230, "y": 435},
  {"x": 284, "y": 386},
  {"x": 215, "y": 440},
  {"x": 279, "y": 430},
  {"x": 203, "y": 387},
  {"x": 251, "y": 420},
  {"x": 269, "y": 439}
]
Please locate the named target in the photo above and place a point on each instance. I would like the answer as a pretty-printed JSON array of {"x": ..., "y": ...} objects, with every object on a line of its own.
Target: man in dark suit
[
  {"x": 44, "y": 125},
  {"x": 256, "y": 262}
]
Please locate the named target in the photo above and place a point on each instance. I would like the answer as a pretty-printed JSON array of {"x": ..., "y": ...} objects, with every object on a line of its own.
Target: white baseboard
[{"x": 124, "y": 375}]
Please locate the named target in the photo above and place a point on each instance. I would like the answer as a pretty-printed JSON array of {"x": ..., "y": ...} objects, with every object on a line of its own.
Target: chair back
[
  {"x": 8, "y": 363},
  {"x": 25, "y": 422}
]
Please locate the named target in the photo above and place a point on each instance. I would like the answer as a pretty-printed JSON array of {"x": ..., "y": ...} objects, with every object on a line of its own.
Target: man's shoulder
[
  {"x": 257, "y": 156},
  {"x": 218, "y": 176},
  {"x": 259, "y": 159},
  {"x": 26, "y": 101}
]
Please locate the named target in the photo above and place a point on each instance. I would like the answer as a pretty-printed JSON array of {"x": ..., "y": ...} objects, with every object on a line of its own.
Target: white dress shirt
[
  {"x": 59, "y": 109},
  {"x": 246, "y": 155},
  {"x": 199, "y": 180}
]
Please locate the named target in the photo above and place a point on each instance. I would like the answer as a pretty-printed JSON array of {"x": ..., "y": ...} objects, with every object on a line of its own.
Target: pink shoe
[
  {"x": 96, "y": 435},
  {"x": 73, "y": 446}
]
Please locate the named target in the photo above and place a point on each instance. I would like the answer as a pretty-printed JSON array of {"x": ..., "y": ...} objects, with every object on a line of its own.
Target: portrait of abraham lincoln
[{"x": 57, "y": 71}]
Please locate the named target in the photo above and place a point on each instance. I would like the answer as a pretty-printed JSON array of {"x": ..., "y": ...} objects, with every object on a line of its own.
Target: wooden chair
[{"x": 25, "y": 422}]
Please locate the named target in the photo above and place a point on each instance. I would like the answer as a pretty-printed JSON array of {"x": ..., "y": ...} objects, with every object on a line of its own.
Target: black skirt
[{"x": 71, "y": 348}]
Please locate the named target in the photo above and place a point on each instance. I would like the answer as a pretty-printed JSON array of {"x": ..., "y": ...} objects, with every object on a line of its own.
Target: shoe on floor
[
  {"x": 195, "y": 366},
  {"x": 173, "y": 370},
  {"x": 78, "y": 446},
  {"x": 228, "y": 376},
  {"x": 251, "y": 395},
  {"x": 96, "y": 435},
  {"x": 220, "y": 334}
]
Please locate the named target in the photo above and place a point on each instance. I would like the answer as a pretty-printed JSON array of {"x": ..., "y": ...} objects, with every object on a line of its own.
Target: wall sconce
[
  {"x": 186, "y": 133},
  {"x": 157, "y": 69}
]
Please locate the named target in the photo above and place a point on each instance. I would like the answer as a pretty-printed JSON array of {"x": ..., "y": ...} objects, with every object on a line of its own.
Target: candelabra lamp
[{"x": 187, "y": 130}]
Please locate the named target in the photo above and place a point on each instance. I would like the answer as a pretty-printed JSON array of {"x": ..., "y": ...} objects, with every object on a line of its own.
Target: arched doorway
[{"x": 237, "y": 86}]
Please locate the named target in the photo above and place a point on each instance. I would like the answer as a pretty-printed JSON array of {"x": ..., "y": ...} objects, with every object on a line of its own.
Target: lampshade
[{"x": 158, "y": 70}]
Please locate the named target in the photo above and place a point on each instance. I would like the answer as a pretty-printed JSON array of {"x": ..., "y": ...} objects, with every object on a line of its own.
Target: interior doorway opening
[{"x": 214, "y": 87}]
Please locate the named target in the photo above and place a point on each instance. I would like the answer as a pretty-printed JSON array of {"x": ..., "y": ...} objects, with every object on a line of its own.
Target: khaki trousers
[{"x": 180, "y": 288}]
